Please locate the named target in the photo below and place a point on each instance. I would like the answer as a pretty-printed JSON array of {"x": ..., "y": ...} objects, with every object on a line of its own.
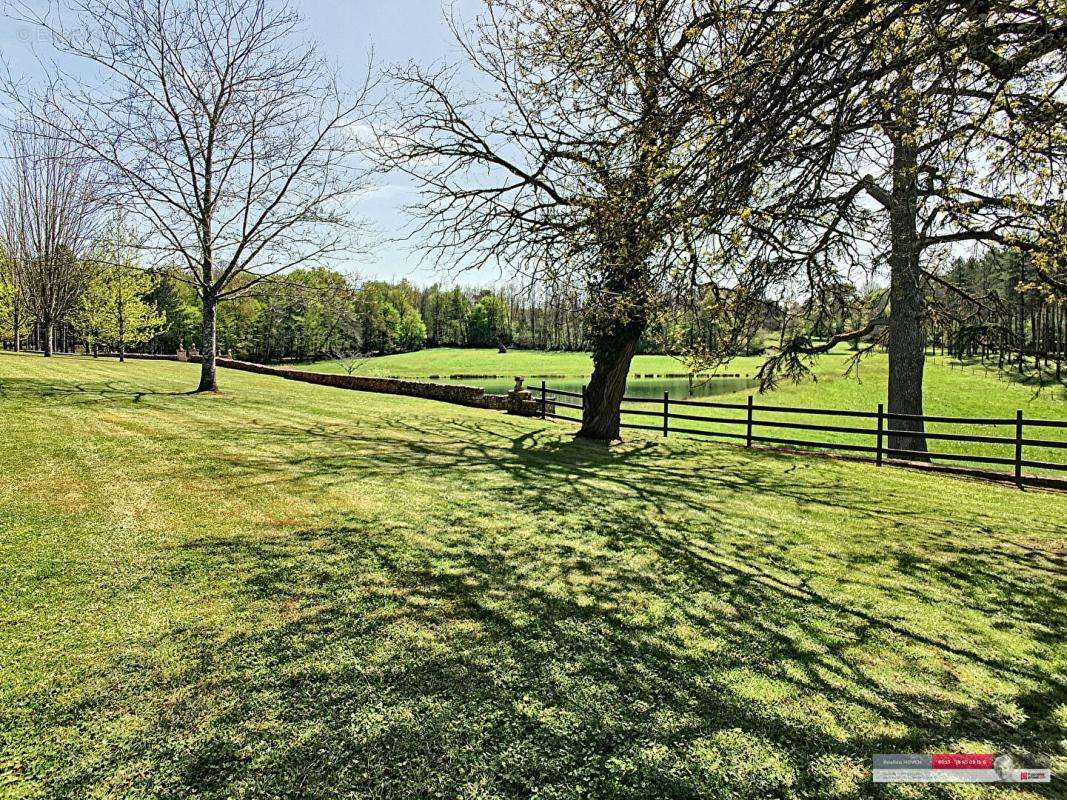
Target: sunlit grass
[
  {"x": 951, "y": 389},
  {"x": 445, "y": 362},
  {"x": 287, "y": 590}
]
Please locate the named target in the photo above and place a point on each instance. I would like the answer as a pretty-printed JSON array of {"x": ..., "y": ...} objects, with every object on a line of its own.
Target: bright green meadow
[
  {"x": 951, "y": 388},
  {"x": 446, "y": 362},
  {"x": 294, "y": 591}
]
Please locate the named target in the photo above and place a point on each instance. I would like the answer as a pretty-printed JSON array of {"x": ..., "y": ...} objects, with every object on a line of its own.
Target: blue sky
[
  {"x": 397, "y": 31},
  {"x": 346, "y": 30}
]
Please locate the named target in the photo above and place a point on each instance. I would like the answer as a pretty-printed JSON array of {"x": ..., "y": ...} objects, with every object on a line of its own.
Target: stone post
[{"x": 520, "y": 401}]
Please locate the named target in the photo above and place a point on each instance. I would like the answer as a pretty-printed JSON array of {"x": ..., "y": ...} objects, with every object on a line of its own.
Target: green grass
[
  {"x": 447, "y": 361},
  {"x": 293, "y": 591},
  {"x": 951, "y": 388}
]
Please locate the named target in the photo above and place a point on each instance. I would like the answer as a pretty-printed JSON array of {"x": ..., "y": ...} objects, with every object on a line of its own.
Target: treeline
[
  {"x": 114, "y": 305},
  {"x": 996, "y": 308},
  {"x": 97, "y": 300},
  {"x": 989, "y": 307},
  {"x": 319, "y": 313},
  {"x": 304, "y": 314}
]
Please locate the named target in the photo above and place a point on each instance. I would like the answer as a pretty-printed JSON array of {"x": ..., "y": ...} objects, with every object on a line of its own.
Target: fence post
[
  {"x": 1019, "y": 447},
  {"x": 666, "y": 406},
  {"x": 584, "y": 387},
  {"x": 748, "y": 432},
  {"x": 544, "y": 401},
  {"x": 881, "y": 433}
]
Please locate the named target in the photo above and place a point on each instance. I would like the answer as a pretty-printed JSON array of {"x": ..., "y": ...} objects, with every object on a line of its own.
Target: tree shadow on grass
[
  {"x": 621, "y": 633},
  {"x": 547, "y": 475},
  {"x": 472, "y": 671},
  {"x": 77, "y": 393},
  {"x": 324, "y": 453}
]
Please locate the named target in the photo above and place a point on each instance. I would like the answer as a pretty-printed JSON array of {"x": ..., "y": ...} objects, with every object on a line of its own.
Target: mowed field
[
  {"x": 288, "y": 591},
  {"x": 445, "y": 362},
  {"x": 951, "y": 389}
]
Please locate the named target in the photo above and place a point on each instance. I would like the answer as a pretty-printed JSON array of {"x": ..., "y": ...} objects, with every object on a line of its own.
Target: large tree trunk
[
  {"x": 47, "y": 334},
  {"x": 208, "y": 346},
  {"x": 603, "y": 396},
  {"x": 614, "y": 321},
  {"x": 614, "y": 326},
  {"x": 906, "y": 352}
]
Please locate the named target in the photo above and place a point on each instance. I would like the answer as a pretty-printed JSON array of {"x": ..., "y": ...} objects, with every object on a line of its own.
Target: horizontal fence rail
[{"x": 758, "y": 423}]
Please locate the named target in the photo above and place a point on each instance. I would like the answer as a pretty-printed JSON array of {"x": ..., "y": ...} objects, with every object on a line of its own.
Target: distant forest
[{"x": 985, "y": 308}]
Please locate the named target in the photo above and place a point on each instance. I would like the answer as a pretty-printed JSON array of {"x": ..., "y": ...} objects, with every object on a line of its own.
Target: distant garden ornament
[{"x": 182, "y": 355}]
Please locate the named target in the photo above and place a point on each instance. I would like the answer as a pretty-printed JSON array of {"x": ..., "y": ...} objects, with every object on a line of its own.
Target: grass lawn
[
  {"x": 950, "y": 387},
  {"x": 448, "y": 361},
  {"x": 289, "y": 591}
]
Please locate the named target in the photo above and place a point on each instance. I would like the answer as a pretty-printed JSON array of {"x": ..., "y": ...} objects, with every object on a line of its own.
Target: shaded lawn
[{"x": 292, "y": 591}]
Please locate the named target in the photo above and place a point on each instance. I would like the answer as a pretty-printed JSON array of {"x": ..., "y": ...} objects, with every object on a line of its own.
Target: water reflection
[{"x": 679, "y": 388}]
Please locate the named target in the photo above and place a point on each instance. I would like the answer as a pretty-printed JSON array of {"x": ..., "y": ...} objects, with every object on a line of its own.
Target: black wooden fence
[{"x": 663, "y": 416}]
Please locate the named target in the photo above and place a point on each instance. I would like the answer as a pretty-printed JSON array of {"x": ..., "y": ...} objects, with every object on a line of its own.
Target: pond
[{"x": 679, "y": 388}]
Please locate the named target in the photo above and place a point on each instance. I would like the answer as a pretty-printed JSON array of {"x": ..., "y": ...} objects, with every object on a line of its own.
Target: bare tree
[
  {"x": 612, "y": 143},
  {"x": 46, "y": 209},
  {"x": 225, "y": 135}
]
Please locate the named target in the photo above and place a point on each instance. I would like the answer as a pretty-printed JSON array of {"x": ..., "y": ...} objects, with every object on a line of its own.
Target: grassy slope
[
  {"x": 951, "y": 389},
  {"x": 446, "y": 361},
  {"x": 293, "y": 591}
]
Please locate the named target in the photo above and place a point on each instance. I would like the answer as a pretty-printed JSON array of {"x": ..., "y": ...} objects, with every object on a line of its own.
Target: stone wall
[
  {"x": 444, "y": 392},
  {"x": 449, "y": 393},
  {"x": 521, "y": 403}
]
